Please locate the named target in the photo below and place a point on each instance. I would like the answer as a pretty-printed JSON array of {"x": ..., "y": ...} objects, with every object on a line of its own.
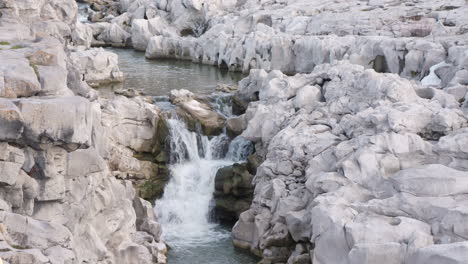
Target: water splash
[
  {"x": 184, "y": 210},
  {"x": 239, "y": 149},
  {"x": 222, "y": 103}
]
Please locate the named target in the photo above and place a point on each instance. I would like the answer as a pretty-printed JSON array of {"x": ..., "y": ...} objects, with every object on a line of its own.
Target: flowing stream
[{"x": 185, "y": 208}]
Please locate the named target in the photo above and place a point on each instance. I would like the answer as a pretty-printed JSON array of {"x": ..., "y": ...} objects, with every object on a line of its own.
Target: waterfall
[
  {"x": 239, "y": 149},
  {"x": 184, "y": 209}
]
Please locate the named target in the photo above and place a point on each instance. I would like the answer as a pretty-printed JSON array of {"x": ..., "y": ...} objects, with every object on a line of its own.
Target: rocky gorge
[{"x": 358, "y": 112}]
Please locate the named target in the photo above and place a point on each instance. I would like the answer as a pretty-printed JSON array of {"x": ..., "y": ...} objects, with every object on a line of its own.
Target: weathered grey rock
[
  {"x": 17, "y": 77},
  {"x": 431, "y": 180},
  {"x": 116, "y": 36},
  {"x": 447, "y": 253},
  {"x": 67, "y": 120},
  {"x": 307, "y": 97},
  {"x": 98, "y": 66},
  {"x": 236, "y": 125},
  {"x": 11, "y": 121},
  {"x": 211, "y": 122},
  {"x": 53, "y": 80},
  {"x": 331, "y": 189},
  {"x": 132, "y": 123},
  {"x": 11, "y": 161},
  {"x": 82, "y": 35},
  {"x": 42, "y": 234}
]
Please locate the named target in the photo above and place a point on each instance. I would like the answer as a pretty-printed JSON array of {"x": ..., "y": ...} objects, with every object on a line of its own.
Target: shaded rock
[
  {"x": 235, "y": 126},
  {"x": 11, "y": 121},
  {"x": 67, "y": 121},
  {"x": 11, "y": 161},
  {"x": 233, "y": 195}
]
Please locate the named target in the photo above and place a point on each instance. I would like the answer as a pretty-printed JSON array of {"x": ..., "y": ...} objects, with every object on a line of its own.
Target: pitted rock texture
[
  {"x": 367, "y": 168},
  {"x": 60, "y": 201}
]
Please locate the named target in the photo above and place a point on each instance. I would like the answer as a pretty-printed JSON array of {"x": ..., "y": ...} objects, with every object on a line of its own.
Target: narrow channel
[{"x": 184, "y": 211}]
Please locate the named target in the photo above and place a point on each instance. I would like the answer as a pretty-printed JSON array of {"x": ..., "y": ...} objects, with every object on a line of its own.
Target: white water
[
  {"x": 432, "y": 79},
  {"x": 184, "y": 209},
  {"x": 83, "y": 13}
]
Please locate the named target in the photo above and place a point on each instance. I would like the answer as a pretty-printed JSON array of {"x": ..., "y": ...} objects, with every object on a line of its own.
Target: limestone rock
[
  {"x": 11, "y": 121},
  {"x": 210, "y": 121},
  {"x": 11, "y": 161},
  {"x": 67, "y": 120},
  {"x": 98, "y": 66},
  {"x": 431, "y": 180},
  {"x": 447, "y": 253}
]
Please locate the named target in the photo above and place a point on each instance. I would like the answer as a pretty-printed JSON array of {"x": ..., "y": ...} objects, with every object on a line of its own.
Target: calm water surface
[{"x": 159, "y": 77}]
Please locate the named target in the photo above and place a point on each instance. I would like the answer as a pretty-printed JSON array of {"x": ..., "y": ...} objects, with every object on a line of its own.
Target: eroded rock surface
[
  {"x": 367, "y": 168},
  {"x": 60, "y": 199},
  {"x": 365, "y": 148}
]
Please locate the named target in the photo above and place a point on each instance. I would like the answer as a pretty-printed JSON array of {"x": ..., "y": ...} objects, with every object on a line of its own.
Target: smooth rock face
[{"x": 432, "y": 180}]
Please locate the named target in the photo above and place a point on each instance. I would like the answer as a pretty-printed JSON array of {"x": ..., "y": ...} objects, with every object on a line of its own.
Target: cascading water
[{"x": 184, "y": 209}]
